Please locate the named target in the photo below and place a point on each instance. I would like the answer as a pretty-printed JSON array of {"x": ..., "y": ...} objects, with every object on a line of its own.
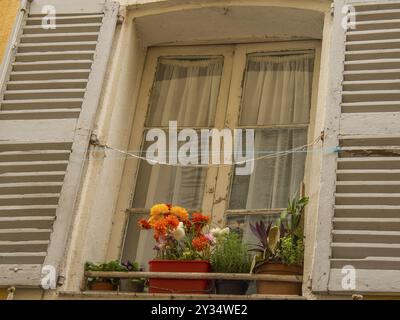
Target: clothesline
[{"x": 305, "y": 148}]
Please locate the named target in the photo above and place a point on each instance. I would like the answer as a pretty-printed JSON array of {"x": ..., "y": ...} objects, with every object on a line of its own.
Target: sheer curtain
[
  {"x": 277, "y": 95},
  {"x": 186, "y": 91}
]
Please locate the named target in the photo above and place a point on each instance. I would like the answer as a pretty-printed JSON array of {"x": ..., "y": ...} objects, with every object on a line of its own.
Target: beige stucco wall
[{"x": 8, "y": 12}]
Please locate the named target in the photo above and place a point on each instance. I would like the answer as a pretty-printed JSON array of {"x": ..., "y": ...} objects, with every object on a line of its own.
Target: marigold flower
[
  {"x": 199, "y": 218},
  {"x": 180, "y": 212},
  {"x": 199, "y": 221},
  {"x": 172, "y": 221},
  {"x": 200, "y": 243},
  {"x": 160, "y": 227},
  {"x": 144, "y": 224},
  {"x": 159, "y": 210}
]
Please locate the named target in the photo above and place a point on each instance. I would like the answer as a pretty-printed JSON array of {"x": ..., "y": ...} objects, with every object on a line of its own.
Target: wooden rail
[{"x": 189, "y": 275}]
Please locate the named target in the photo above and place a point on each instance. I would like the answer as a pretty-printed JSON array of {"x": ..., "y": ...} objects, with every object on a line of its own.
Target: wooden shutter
[
  {"x": 52, "y": 80},
  {"x": 359, "y": 213}
]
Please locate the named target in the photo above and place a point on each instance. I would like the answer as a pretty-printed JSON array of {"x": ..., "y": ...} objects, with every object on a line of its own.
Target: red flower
[
  {"x": 144, "y": 224},
  {"x": 200, "y": 243}
]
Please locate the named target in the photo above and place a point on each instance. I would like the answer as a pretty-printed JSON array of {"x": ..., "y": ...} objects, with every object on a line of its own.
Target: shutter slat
[
  {"x": 47, "y": 84},
  {"x": 64, "y": 28},
  {"x": 50, "y": 75},
  {"x": 96, "y": 18},
  {"x": 57, "y": 46},
  {"x": 46, "y": 56},
  {"x": 22, "y": 257},
  {"x": 367, "y": 236},
  {"x": 33, "y": 210},
  {"x": 24, "y": 246},
  {"x": 367, "y": 211},
  {"x": 24, "y": 234},
  {"x": 51, "y": 176}
]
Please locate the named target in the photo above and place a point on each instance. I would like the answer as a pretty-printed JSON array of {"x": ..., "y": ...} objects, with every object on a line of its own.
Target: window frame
[{"x": 218, "y": 180}]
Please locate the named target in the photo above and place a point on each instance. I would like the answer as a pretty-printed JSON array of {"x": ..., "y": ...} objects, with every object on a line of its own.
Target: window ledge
[{"x": 116, "y": 295}]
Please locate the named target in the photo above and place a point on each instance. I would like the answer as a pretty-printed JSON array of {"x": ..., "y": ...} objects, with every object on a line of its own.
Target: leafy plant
[
  {"x": 114, "y": 265},
  {"x": 282, "y": 241},
  {"x": 231, "y": 255},
  {"x": 291, "y": 252}
]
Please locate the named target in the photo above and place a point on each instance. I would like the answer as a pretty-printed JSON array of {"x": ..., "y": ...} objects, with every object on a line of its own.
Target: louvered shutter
[
  {"x": 359, "y": 213},
  {"x": 52, "y": 80}
]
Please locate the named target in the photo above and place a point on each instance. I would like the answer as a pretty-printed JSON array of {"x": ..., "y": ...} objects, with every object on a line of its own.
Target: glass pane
[
  {"x": 160, "y": 183},
  {"x": 185, "y": 90},
  {"x": 277, "y": 89},
  {"x": 274, "y": 180},
  {"x": 241, "y": 224},
  {"x": 181, "y": 186}
]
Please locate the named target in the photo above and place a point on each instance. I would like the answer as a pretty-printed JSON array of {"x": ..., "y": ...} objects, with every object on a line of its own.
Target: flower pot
[
  {"x": 132, "y": 286},
  {"x": 279, "y": 287},
  {"x": 102, "y": 285},
  {"x": 187, "y": 286},
  {"x": 237, "y": 287}
]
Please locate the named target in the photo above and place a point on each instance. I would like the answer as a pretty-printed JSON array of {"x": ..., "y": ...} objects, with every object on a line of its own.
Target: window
[{"x": 265, "y": 87}]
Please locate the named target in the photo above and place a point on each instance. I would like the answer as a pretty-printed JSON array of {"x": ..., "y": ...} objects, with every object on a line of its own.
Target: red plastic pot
[{"x": 186, "y": 286}]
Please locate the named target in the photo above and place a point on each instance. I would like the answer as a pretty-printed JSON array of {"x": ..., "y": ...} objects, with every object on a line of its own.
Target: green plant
[
  {"x": 231, "y": 255},
  {"x": 291, "y": 251},
  {"x": 281, "y": 241},
  {"x": 111, "y": 266}
]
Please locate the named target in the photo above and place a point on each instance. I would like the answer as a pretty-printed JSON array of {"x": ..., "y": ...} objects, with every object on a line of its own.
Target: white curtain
[
  {"x": 277, "y": 92},
  {"x": 185, "y": 91}
]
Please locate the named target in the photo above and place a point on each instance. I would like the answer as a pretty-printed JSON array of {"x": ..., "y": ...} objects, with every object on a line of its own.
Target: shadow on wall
[{"x": 8, "y": 12}]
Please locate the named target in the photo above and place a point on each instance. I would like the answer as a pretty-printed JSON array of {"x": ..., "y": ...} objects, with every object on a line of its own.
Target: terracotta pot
[
  {"x": 101, "y": 286},
  {"x": 279, "y": 287},
  {"x": 237, "y": 287},
  {"x": 186, "y": 286}
]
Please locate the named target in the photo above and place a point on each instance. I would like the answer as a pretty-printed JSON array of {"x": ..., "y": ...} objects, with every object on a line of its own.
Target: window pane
[
  {"x": 241, "y": 224},
  {"x": 277, "y": 89},
  {"x": 185, "y": 91},
  {"x": 274, "y": 180},
  {"x": 167, "y": 184}
]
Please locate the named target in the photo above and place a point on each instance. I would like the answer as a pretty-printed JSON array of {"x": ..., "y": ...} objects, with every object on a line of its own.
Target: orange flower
[
  {"x": 160, "y": 227},
  {"x": 199, "y": 218},
  {"x": 180, "y": 212},
  {"x": 200, "y": 243},
  {"x": 144, "y": 224},
  {"x": 172, "y": 221}
]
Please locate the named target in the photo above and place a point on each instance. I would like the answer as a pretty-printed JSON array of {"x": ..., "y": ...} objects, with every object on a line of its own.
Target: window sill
[{"x": 117, "y": 295}]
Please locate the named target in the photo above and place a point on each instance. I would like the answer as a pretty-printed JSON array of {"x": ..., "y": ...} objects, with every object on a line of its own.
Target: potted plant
[
  {"x": 182, "y": 246},
  {"x": 281, "y": 249},
  {"x": 230, "y": 255},
  {"x": 104, "y": 284},
  {"x": 132, "y": 285}
]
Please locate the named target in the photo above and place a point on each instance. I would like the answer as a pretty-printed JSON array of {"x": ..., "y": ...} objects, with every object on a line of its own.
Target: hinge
[{"x": 332, "y": 9}]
